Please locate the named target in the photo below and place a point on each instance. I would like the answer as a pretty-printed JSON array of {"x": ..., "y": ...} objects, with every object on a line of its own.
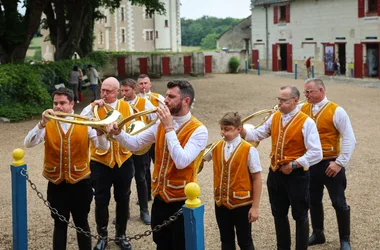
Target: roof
[
  {"x": 243, "y": 20},
  {"x": 262, "y": 2}
]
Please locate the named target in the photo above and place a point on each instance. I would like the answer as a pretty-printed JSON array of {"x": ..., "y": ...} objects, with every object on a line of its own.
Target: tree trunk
[{"x": 87, "y": 40}]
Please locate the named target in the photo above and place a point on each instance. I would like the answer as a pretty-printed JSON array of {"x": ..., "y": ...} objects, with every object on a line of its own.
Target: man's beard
[{"x": 175, "y": 110}]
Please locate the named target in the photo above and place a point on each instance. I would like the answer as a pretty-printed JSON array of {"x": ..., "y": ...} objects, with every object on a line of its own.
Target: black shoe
[
  {"x": 101, "y": 244},
  {"x": 122, "y": 243},
  {"x": 317, "y": 238},
  {"x": 144, "y": 216}
]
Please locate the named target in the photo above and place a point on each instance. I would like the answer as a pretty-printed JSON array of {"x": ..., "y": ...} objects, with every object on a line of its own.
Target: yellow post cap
[
  {"x": 258, "y": 60},
  {"x": 192, "y": 191},
  {"x": 18, "y": 156}
]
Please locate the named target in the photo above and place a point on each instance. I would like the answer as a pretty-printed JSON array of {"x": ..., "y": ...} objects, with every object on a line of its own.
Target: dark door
[
  {"x": 342, "y": 57},
  {"x": 255, "y": 58},
  {"x": 208, "y": 64},
  {"x": 166, "y": 66},
  {"x": 121, "y": 67},
  {"x": 329, "y": 57},
  {"x": 143, "y": 65},
  {"x": 289, "y": 58},
  {"x": 358, "y": 60},
  {"x": 283, "y": 61},
  {"x": 187, "y": 64},
  {"x": 274, "y": 58}
]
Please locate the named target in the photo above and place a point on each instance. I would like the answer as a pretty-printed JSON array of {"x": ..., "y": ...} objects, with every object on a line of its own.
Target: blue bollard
[
  {"x": 312, "y": 71},
  {"x": 19, "y": 208},
  {"x": 246, "y": 66},
  {"x": 295, "y": 71},
  {"x": 258, "y": 67},
  {"x": 193, "y": 214}
]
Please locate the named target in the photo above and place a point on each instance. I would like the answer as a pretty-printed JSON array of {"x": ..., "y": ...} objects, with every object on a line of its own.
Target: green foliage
[
  {"x": 193, "y": 31},
  {"x": 209, "y": 42},
  {"x": 26, "y": 89},
  {"x": 233, "y": 64}
]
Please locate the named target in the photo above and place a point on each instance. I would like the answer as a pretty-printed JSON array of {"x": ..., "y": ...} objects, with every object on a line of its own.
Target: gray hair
[
  {"x": 293, "y": 90},
  {"x": 317, "y": 81}
]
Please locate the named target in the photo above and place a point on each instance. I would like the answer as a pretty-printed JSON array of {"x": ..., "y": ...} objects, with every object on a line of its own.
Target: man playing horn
[
  {"x": 144, "y": 85},
  {"x": 179, "y": 138},
  {"x": 141, "y": 162},
  {"x": 111, "y": 167},
  {"x": 333, "y": 124},
  {"x": 295, "y": 147},
  {"x": 66, "y": 167}
]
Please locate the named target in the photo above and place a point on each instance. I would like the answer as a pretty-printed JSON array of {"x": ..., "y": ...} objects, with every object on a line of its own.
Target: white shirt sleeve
[
  {"x": 260, "y": 133},
  {"x": 182, "y": 157},
  {"x": 149, "y": 106},
  {"x": 312, "y": 143},
  {"x": 136, "y": 142},
  {"x": 100, "y": 142},
  {"x": 254, "y": 165},
  {"x": 34, "y": 137},
  {"x": 87, "y": 111},
  {"x": 343, "y": 124}
]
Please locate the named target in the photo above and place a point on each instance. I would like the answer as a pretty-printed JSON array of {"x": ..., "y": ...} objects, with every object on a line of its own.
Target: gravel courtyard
[{"x": 215, "y": 95}]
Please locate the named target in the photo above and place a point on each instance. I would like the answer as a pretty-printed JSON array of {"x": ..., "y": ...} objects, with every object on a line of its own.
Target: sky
[{"x": 193, "y": 9}]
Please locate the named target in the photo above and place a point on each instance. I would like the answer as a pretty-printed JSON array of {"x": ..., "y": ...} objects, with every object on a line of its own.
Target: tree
[
  {"x": 209, "y": 42},
  {"x": 69, "y": 22},
  {"x": 17, "y": 30}
]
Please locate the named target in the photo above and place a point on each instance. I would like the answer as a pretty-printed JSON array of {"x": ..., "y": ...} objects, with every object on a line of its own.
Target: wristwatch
[{"x": 294, "y": 165}]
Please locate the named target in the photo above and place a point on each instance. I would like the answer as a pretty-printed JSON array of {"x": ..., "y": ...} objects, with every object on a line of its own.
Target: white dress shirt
[
  {"x": 253, "y": 162},
  {"x": 37, "y": 135},
  {"x": 147, "y": 95},
  {"x": 182, "y": 157},
  {"x": 343, "y": 124},
  {"x": 310, "y": 134},
  {"x": 148, "y": 106}
]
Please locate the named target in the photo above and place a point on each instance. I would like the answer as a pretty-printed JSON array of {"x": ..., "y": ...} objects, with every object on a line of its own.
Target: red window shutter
[
  {"x": 360, "y": 8},
  {"x": 378, "y": 7},
  {"x": 288, "y": 13},
  {"x": 275, "y": 14}
]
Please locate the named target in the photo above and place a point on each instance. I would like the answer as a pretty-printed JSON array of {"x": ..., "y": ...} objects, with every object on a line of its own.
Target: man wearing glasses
[
  {"x": 333, "y": 125},
  {"x": 180, "y": 138},
  {"x": 295, "y": 147},
  {"x": 111, "y": 167}
]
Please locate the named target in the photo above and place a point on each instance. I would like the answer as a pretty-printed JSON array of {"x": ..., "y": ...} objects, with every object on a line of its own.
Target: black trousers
[
  {"x": 289, "y": 190},
  {"x": 70, "y": 198},
  {"x": 141, "y": 164},
  {"x": 336, "y": 186},
  {"x": 148, "y": 176},
  {"x": 170, "y": 237},
  {"x": 103, "y": 178},
  {"x": 228, "y": 220}
]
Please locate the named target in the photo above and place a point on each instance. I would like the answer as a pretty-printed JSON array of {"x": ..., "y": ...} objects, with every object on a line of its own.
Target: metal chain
[{"x": 62, "y": 218}]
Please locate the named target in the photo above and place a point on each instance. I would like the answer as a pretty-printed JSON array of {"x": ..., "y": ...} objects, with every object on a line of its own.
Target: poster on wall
[{"x": 329, "y": 57}]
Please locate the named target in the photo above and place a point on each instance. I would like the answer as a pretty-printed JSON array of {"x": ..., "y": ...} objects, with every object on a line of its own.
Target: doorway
[
  {"x": 342, "y": 57},
  {"x": 283, "y": 56},
  {"x": 372, "y": 59}
]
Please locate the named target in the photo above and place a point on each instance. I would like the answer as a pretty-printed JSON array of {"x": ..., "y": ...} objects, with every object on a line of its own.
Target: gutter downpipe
[{"x": 266, "y": 37}]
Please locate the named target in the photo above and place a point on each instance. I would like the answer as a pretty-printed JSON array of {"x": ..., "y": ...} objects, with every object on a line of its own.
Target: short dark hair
[
  {"x": 89, "y": 66},
  {"x": 293, "y": 90},
  {"x": 185, "y": 89},
  {"x": 231, "y": 118},
  {"x": 143, "y": 76},
  {"x": 64, "y": 91},
  {"x": 75, "y": 68},
  {"x": 128, "y": 82}
]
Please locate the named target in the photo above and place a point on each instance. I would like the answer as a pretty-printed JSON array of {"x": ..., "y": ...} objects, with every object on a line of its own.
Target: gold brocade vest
[
  {"x": 154, "y": 101},
  {"x": 287, "y": 141},
  {"x": 140, "y": 106},
  {"x": 168, "y": 181},
  {"x": 232, "y": 180},
  {"x": 329, "y": 135},
  {"x": 66, "y": 154},
  {"x": 116, "y": 154}
]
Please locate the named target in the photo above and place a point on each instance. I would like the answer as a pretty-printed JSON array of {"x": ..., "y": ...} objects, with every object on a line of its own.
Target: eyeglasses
[
  {"x": 284, "y": 99},
  {"x": 108, "y": 91},
  {"x": 309, "y": 91}
]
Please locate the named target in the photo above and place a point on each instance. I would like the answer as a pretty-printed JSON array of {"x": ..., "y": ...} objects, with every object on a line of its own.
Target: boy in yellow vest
[
  {"x": 67, "y": 167},
  {"x": 237, "y": 184}
]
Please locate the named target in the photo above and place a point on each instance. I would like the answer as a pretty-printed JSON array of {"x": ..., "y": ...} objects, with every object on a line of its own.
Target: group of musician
[{"x": 311, "y": 144}]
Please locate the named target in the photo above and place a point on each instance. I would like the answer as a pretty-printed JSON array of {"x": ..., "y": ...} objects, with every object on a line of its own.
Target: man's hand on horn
[{"x": 113, "y": 129}]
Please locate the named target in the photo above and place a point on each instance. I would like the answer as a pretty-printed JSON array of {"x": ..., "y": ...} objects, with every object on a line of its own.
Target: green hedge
[{"x": 25, "y": 90}]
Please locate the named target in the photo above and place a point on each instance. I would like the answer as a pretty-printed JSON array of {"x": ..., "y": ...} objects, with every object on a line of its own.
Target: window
[
  {"x": 122, "y": 16},
  {"x": 166, "y": 23},
  {"x": 101, "y": 38},
  {"x": 147, "y": 35},
  {"x": 105, "y": 19},
  {"x": 151, "y": 35},
  {"x": 282, "y": 14},
  {"x": 372, "y": 6},
  {"x": 148, "y": 15},
  {"x": 156, "y": 34},
  {"x": 123, "y": 35}
]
